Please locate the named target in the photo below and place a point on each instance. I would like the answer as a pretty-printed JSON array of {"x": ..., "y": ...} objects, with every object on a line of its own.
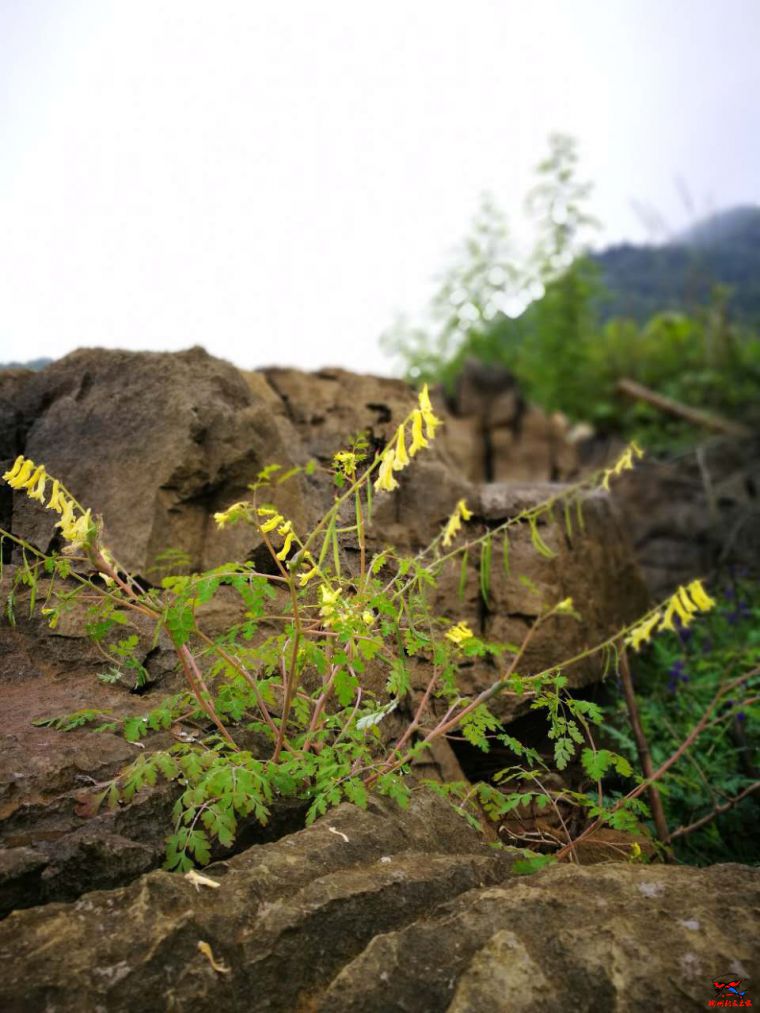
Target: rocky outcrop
[
  {"x": 383, "y": 910},
  {"x": 695, "y": 514},
  {"x": 156, "y": 443}
]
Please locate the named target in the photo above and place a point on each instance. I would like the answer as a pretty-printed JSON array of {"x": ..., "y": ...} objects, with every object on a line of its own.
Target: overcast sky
[{"x": 275, "y": 181}]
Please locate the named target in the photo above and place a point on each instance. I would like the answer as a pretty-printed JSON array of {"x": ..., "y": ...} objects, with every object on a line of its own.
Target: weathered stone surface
[
  {"x": 384, "y": 910},
  {"x": 53, "y": 851},
  {"x": 155, "y": 442},
  {"x": 613, "y": 937},
  {"x": 286, "y": 918},
  {"x": 691, "y": 516}
]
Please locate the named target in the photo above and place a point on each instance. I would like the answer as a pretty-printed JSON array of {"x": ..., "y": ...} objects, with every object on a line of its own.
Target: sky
[{"x": 276, "y": 182}]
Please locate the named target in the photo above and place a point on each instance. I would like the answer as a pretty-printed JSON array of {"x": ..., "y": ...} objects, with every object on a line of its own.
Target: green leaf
[
  {"x": 345, "y": 686},
  {"x": 533, "y": 863},
  {"x": 399, "y": 682},
  {"x": 355, "y": 792}
]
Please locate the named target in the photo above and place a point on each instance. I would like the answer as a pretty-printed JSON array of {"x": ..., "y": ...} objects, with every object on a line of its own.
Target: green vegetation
[
  {"x": 678, "y": 675},
  {"x": 548, "y": 319},
  {"x": 562, "y": 353},
  {"x": 294, "y": 699},
  {"x": 680, "y": 276}
]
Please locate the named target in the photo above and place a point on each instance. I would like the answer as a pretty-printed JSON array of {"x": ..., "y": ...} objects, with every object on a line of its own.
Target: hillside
[{"x": 723, "y": 249}]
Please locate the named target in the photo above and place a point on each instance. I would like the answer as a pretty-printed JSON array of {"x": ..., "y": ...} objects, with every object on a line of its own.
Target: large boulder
[{"x": 155, "y": 443}]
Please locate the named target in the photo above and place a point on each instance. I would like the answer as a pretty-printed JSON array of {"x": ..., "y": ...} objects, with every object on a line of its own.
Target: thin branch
[
  {"x": 664, "y": 767},
  {"x": 645, "y": 757},
  {"x": 717, "y": 811}
]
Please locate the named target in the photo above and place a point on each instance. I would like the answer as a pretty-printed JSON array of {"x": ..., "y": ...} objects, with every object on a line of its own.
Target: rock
[
  {"x": 380, "y": 910},
  {"x": 611, "y": 937},
  {"x": 285, "y": 919},
  {"x": 155, "y": 442},
  {"x": 696, "y": 514}
]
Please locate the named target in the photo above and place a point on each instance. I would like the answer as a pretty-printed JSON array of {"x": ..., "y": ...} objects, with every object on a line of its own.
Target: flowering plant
[{"x": 315, "y": 693}]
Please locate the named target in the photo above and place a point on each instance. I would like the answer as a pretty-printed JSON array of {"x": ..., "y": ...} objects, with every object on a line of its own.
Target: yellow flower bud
[
  {"x": 385, "y": 479},
  {"x": 418, "y": 440},
  {"x": 401, "y": 458}
]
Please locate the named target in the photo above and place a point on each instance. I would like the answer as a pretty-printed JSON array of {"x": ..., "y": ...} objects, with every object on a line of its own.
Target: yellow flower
[
  {"x": 641, "y": 633},
  {"x": 19, "y": 474},
  {"x": 401, "y": 458},
  {"x": 385, "y": 479},
  {"x": 57, "y": 497},
  {"x": 77, "y": 531},
  {"x": 231, "y": 514},
  {"x": 623, "y": 463},
  {"x": 67, "y": 521},
  {"x": 431, "y": 421},
  {"x": 460, "y": 633},
  {"x": 684, "y": 604},
  {"x": 272, "y": 523},
  {"x": 304, "y": 579},
  {"x": 454, "y": 523},
  {"x": 565, "y": 607},
  {"x": 679, "y": 605},
  {"x": 418, "y": 440},
  {"x": 329, "y": 599},
  {"x": 12, "y": 473},
  {"x": 701, "y": 598},
  {"x": 289, "y": 536},
  {"x": 424, "y": 400},
  {"x": 368, "y": 617},
  {"x": 36, "y": 484}
]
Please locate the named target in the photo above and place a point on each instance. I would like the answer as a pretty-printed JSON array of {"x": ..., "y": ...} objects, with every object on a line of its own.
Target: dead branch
[{"x": 707, "y": 420}]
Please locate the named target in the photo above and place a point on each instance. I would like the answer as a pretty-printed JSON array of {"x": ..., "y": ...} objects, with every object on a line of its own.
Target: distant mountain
[
  {"x": 724, "y": 249},
  {"x": 35, "y": 364}
]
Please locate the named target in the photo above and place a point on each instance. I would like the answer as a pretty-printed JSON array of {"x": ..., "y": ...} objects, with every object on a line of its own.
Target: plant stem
[
  {"x": 693, "y": 735},
  {"x": 645, "y": 757}
]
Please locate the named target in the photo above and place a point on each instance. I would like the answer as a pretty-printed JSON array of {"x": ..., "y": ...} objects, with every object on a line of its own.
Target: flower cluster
[
  {"x": 237, "y": 512},
  {"x": 460, "y": 634},
  {"x": 423, "y": 422},
  {"x": 623, "y": 463},
  {"x": 454, "y": 523},
  {"x": 335, "y": 607},
  {"x": 680, "y": 608},
  {"x": 77, "y": 526}
]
